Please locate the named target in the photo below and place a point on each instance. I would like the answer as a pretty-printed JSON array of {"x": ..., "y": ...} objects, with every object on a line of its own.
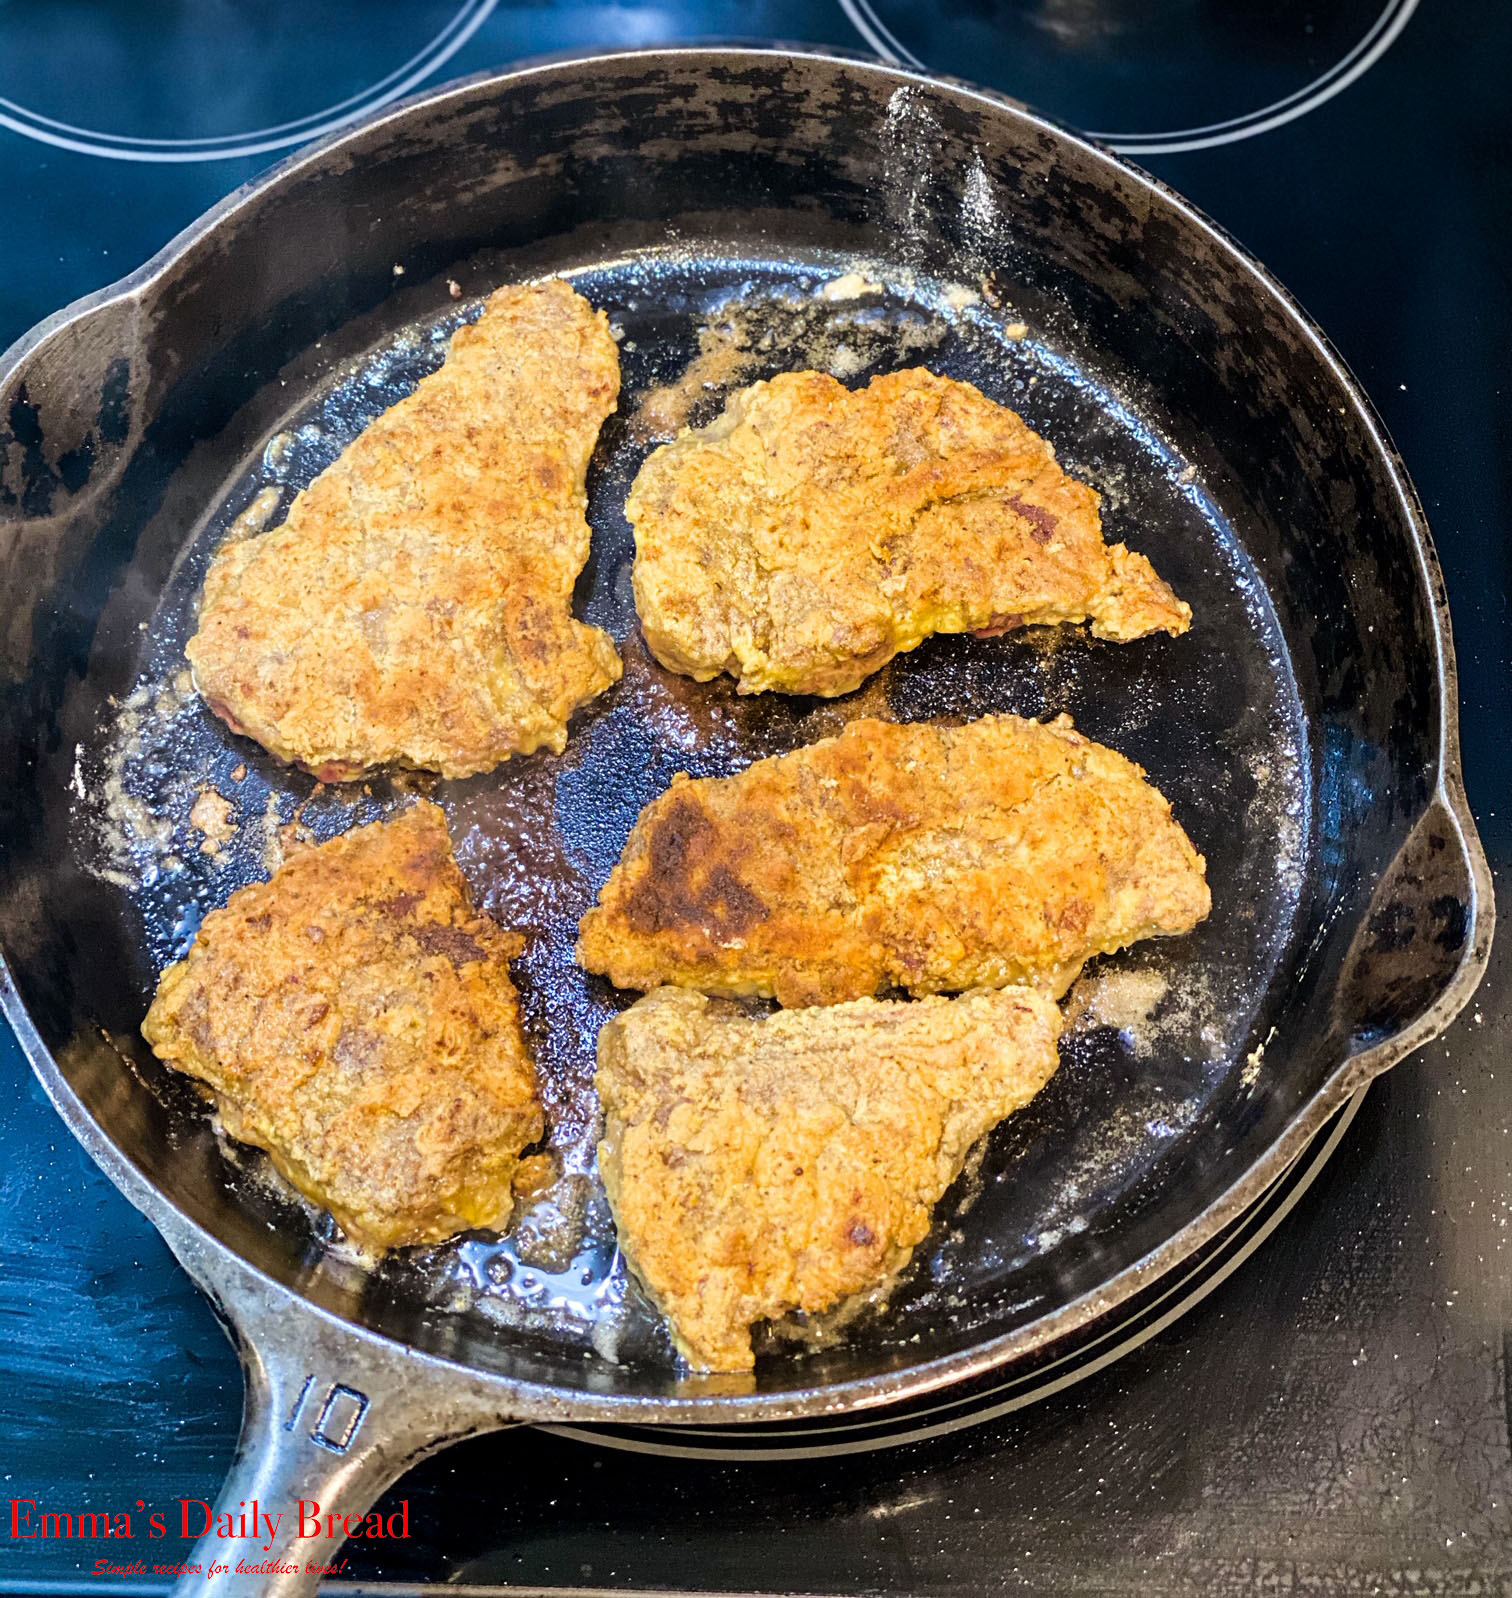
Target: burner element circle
[
  {"x": 134, "y": 70},
  {"x": 1148, "y": 77}
]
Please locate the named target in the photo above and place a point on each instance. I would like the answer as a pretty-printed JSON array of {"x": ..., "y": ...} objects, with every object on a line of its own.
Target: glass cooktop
[{"x": 1324, "y": 1407}]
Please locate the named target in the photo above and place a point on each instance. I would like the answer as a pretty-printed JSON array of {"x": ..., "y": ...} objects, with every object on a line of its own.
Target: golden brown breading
[
  {"x": 812, "y": 532},
  {"x": 930, "y": 858},
  {"x": 415, "y": 607},
  {"x": 761, "y": 1166},
  {"x": 355, "y": 1018}
]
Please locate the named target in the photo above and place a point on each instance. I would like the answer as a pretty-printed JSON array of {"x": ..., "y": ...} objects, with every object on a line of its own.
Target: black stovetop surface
[{"x": 1333, "y": 1418}]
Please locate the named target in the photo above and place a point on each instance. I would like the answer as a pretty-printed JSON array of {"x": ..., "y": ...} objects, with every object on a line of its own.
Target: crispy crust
[
  {"x": 930, "y": 858},
  {"x": 761, "y": 1166},
  {"x": 415, "y": 606},
  {"x": 356, "y": 1019},
  {"x": 813, "y": 532}
]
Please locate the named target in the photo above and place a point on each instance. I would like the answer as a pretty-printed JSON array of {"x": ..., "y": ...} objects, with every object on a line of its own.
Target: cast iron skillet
[{"x": 1304, "y": 729}]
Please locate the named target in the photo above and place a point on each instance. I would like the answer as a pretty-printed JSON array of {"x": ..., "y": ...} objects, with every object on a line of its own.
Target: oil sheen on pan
[{"x": 1212, "y": 717}]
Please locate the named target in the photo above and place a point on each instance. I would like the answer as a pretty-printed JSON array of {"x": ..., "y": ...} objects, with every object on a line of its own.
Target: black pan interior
[{"x": 1294, "y": 729}]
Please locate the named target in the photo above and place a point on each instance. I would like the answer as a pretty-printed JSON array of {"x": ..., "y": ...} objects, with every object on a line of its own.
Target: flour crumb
[
  {"x": 276, "y": 454},
  {"x": 211, "y": 815},
  {"x": 293, "y": 837},
  {"x": 846, "y": 362},
  {"x": 1253, "y": 1059},
  {"x": 850, "y": 286},
  {"x": 1124, "y": 1000},
  {"x": 272, "y": 854},
  {"x": 257, "y": 515},
  {"x": 724, "y": 357}
]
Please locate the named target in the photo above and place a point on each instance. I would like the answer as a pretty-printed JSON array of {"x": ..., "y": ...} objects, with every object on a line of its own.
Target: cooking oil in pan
[{"x": 1212, "y": 716}]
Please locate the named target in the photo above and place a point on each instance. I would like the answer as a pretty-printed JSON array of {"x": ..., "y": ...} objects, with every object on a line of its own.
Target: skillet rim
[{"x": 247, "y": 1297}]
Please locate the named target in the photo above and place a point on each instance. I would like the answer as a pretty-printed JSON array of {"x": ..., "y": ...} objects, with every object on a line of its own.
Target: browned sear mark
[
  {"x": 925, "y": 857},
  {"x": 688, "y": 882}
]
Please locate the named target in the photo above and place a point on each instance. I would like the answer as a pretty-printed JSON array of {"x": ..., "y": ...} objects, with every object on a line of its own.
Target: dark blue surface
[{"x": 1337, "y": 1413}]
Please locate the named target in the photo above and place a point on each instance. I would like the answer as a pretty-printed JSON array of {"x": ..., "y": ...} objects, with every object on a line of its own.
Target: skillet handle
[
  {"x": 332, "y": 1416},
  {"x": 1425, "y": 939}
]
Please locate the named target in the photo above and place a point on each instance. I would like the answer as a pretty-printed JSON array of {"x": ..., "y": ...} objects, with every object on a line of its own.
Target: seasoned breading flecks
[
  {"x": 415, "y": 606},
  {"x": 812, "y": 532},
  {"x": 355, "y": 1018},
  {"x": 761, "y": 1166},
  {"x": 928, "y": 858}
]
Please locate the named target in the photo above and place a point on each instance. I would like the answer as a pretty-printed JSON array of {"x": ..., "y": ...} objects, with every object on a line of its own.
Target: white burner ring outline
[
  {"x": 1377, "y": 40},
  {"x": 118, "y": 147}
]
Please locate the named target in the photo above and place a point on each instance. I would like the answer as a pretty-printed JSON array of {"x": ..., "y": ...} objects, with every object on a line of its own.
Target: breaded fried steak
[
  {"x": 928, "y": 858},
  {"x": 415, "y": 606},
  {"x": 813, "y": 532},
  {"x": 761, "y": 1166},
  {"x": 355, "y": 1018}
]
